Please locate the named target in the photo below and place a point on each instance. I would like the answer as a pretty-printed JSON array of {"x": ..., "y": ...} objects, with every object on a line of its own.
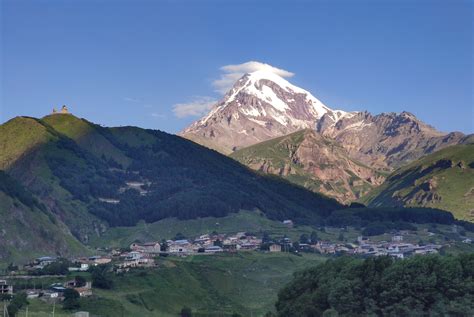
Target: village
[{"x": 146, "y": 255}]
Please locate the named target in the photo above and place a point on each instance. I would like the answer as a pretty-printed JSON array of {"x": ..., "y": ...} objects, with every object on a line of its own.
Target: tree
[
  {"x": 60, "y": 267},
  {"x": 186, "y": 312},
  {"x": 12, "y": 267},
  {"x": 18, "y": 301},
  {"x": 304, "y": 238},
  {"x": 314, "y": 237},
  {"x": 100, "y": 278},
  {"x": 340, "y": 237},
  {"x": 80, "y": 281},
  {"x": 71, "y": 299},
  {"x": 266, "y": 237},
  {"x": 179, "y": 236},
  {"x": 381, "y": 286},
  {"x": 164, "y": 245}
]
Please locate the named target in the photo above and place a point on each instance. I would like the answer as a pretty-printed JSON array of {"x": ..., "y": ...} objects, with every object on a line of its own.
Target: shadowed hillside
[{"x": 92, "y": 177}]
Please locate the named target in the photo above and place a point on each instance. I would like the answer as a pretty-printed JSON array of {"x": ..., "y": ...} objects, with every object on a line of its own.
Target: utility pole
[{"x": 54, "y": 306}]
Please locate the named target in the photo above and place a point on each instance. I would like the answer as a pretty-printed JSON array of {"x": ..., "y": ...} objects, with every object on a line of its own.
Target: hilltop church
[{"x": 63, "y": 110}]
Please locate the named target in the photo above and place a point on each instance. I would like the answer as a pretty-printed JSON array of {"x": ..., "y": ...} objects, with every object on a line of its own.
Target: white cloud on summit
[
  {"x": 231, "y": 73},
  {"x": 197, "y": 107},
  {"x": 200, "y": 105}
]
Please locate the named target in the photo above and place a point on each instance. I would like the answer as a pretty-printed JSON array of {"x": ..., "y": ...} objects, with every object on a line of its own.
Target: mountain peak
[{"x": 261, "y": 105}]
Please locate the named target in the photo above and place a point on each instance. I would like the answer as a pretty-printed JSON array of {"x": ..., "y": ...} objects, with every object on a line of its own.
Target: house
[
  {"x": 5, "y": 288},
  {"x": 134, "y": 255},
  {"x": 179, "y": 246},
  {"x": 41, "y": 262},
  {"x": 142, "y": 262},
  {"x": 98, "y": 260},
  {"x": 84, "y": 291},
  {"x": 467, "y": 240},
  {"x": 84, "y": 267},
  {"x": 213, "y": 249},
  {"x": 32, "y": 294},
  {"x": 275, "y": 248},
  {"x": 397, "y": 238},
  {"x": 148, "y": 247},
  {"x": 57, "y": 288},
  {"x": 248, "y": 246},
  {"x": 288, "y": 223}
]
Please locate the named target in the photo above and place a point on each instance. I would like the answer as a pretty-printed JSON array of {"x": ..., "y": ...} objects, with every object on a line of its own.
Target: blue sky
[{"x": 129, "y": 62}]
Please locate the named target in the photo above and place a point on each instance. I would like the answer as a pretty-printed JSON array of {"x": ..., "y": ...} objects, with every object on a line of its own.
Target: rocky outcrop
[
  {"x": 388, "y": 140},
  {"x": 313, "y": 161}
]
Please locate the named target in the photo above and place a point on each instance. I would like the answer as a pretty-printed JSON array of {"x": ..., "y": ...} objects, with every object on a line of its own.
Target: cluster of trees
[
  {"x": 59, "y": 267},
  {"x": 14, "y": 189},
  {"x": 378, "y": 220},
  {"x": 187, "y": 181},
  {"x": 101, "y": 277},
  {"x": 17, "y": 302},
  {"x": 382, "y": 286}
]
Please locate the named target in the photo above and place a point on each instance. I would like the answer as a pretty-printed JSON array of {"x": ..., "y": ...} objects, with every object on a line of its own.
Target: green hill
[
  {"x": 444, "y": 180},
  {"x": 313, "y": 161},
  {"x": 28, "y": 228},
  {"x": 246, "y": 283},
  {"x": 92, "y": 178}
]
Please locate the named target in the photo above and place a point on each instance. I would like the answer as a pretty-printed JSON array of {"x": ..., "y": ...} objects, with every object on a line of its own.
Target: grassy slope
[
  {"x": 20, "y": 136},
  {"x": 245, "y": 283},
  {"x": 87, "y": 136},
  {"x": 27, "y": 145},
  {"x": 454, "y": 185},
  {"x": 28, "y": 231},
  {"x": 244, "y": 221}
]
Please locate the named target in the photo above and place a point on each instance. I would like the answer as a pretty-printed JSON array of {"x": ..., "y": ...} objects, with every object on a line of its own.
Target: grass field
[
  {"x": 246, "y": 283},
  {"x": 246, "y": 221}
]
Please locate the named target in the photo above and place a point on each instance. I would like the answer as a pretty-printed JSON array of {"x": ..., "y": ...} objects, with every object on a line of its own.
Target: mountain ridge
[
  {"x": 262, "y": 106},
  {"x": 444, "y": 180}
]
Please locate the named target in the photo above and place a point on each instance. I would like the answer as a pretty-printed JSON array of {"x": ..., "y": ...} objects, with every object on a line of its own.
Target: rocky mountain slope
[
  {"x": 313, "y": 161},
  {"x": 263, "y": 105},
  {"x": 89, "y": 177},
  {"x": 260, "y": 106},
  {"x": 387, "y": 140},
  {"x": 444, "y": 180}
]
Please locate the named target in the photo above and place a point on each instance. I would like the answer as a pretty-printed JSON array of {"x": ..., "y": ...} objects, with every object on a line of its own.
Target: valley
[{"x": 236, "y": 158}]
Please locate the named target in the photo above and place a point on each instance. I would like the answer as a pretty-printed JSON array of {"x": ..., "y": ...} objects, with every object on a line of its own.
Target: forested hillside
[
  {"x": 381, "y": 286},
  {"x": 93, "y": 177},
  {"x": 28, "y": 228}
]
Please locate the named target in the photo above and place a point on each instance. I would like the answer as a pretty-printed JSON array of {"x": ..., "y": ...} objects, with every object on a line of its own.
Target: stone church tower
[{"x": 63, "y": 110}]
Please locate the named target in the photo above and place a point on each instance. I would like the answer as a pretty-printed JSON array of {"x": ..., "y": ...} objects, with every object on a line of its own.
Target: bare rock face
[
  {"x": 387, "y": 140},
  {"x": 313, "y": 161},
  {"x": 259, "y": 107}
]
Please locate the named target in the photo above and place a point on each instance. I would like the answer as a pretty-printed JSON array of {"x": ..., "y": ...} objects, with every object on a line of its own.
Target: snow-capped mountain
[{"x": 261, "y": 105}]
